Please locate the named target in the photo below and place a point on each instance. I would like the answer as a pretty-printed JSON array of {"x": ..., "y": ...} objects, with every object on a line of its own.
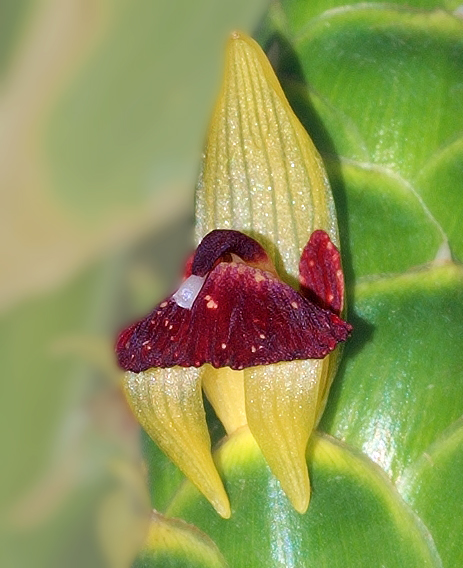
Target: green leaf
[
  {"x": 432, "y": 485},
  {"x": 384, "y": 225},
  {"x": 172, "y": 543},
  {"x": 386, "y": 69},
  {"x": 298, "y": 13},
  {"x": 439, "y": 184},
  {"x": 355, "y": 518},
  {"x": 401, "y": 385}
]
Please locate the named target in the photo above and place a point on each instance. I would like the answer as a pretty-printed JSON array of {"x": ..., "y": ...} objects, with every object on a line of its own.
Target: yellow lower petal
[
  {"x": 224, "y": 389},
  {"x": 281, "y": 408},
  {"x": 168, "y": 404}
]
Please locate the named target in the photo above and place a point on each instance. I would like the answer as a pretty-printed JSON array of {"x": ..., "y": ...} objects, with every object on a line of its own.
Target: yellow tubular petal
[
  {"x": 224, "y": 389},
  {"x": 261, "y": 172},
  {"x": 281, "y": 403},
  {"x": 168, "y": 404}
]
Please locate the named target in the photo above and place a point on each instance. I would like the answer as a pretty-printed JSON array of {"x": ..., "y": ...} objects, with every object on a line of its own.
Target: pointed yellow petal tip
[
  {"x": 281, "y": 407},
  {"x": 168, "y": 404}
]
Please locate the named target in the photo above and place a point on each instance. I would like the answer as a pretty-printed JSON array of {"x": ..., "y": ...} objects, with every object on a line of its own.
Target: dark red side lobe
[{"x": 320, "y": 273}]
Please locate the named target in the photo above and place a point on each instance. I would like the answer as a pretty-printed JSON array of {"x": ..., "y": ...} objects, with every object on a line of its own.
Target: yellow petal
[
  {"x": 261, "y": 172},
  {"x": 281, "y": 403},
  {"x": 224, "y": 389},
  {"x": 168, "y": 404}
]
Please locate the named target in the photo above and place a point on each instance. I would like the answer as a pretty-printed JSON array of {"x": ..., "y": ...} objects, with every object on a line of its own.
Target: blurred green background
[{"x": 103, "y": 113}]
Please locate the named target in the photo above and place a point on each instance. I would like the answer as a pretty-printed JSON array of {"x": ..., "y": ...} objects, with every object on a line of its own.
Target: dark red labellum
[{"x": 233, "y": 314}]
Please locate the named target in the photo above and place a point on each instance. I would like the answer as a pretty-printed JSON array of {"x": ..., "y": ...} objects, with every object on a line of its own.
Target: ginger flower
[
  {"x": 235, "y": 329},
  {"x": 232, "y": 311}
]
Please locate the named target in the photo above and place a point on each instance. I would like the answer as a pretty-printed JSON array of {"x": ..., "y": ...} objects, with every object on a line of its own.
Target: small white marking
[
  {"x": 224, "y": 345},
  {"x": 253, "y": 349},
  {"x": 443, "y": 254},
  {"x": 212, "y": 305},
  {"x": 188, "y": 291},
  {"x": 262, "y": 335},
  {"x": 163, "y": 305},
  {"x": 295, "y": 305},
  {"x": 166, "y": 323},
  {"x": 170, "y": 326}
]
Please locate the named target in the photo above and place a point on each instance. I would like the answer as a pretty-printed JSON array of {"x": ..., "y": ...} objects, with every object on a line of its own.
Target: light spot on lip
[
  {"x": 212, "y": 305},
  {"x": 188, "y": 291}
]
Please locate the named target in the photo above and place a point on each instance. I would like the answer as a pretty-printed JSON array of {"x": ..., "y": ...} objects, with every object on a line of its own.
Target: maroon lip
[{"x": 238, "y": 313}]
